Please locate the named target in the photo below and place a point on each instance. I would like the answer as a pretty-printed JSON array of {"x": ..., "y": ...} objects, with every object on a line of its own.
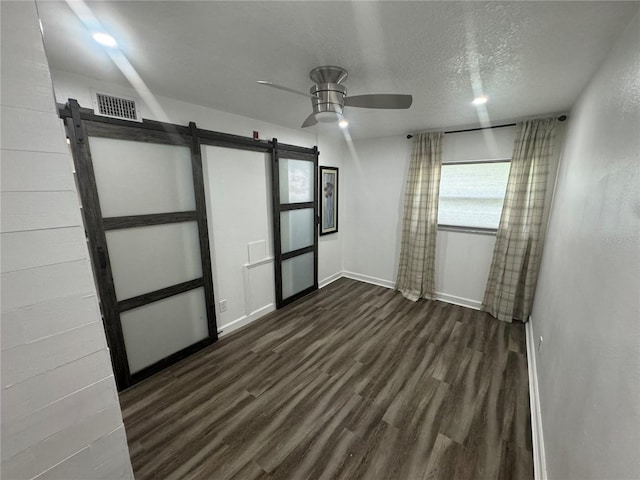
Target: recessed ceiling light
[
  {"x": 480, "y": 100},
  {"x": 343, "y": 123},
  {"x": 105, "y": 39}
]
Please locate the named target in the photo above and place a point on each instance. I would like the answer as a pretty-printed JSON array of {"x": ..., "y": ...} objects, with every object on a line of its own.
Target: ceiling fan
[{"x": 329, "y": 96}]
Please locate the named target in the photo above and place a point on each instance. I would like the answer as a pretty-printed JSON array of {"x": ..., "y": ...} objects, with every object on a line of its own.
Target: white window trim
[
  {"x": 468, "y": 162},
  {"x": 475, "y": 230}
]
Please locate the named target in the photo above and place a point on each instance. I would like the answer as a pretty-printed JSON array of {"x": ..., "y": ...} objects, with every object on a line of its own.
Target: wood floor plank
[
  {"x": 450, "y": 460},
  {"x": 310, "y": 457},
  {"x": 419, "y": 423},
  {"x": 468, "y": 387},
  {"x": 351, "y": 382}
]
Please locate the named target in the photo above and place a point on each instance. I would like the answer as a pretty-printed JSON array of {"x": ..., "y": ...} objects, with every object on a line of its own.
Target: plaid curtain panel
[
  {"x": 518, "y": 249},
  {"x": 416, "y": 271}
]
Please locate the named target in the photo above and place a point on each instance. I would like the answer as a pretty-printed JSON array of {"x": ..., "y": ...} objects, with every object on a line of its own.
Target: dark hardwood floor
[{"x": 352, "y": 382}]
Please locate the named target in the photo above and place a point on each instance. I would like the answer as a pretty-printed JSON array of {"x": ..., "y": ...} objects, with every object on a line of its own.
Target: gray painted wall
[{"x": 587, "y": 306}]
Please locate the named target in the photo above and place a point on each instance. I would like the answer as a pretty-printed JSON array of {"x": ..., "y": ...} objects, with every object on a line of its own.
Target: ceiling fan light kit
[
  {"x": 329, "y": 96},
  {"x": 327, "y": 117}
]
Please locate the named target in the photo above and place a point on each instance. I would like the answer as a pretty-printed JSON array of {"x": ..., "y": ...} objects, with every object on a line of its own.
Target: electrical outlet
[
  {"x": 223, "y": 305},
  {"x": 540, "y": 343}
]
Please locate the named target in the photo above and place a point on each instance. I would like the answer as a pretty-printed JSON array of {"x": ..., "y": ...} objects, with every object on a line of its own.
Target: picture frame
[{"x": 328, "y": 200}]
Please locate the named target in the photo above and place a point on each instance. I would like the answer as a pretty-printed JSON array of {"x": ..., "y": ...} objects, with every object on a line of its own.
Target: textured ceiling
[{"x": 530, "y": 58}]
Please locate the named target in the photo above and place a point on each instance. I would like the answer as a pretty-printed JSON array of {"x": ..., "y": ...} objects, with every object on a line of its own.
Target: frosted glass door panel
[
  {"x": 297, "y": 274},
  {"x": 138, "y": 178},
  {"x": 145, "y": 259},
  {"x": 296, "y": 181},
  {"x": 157, "y": 330},
  {"x": 296, "y": 229}
]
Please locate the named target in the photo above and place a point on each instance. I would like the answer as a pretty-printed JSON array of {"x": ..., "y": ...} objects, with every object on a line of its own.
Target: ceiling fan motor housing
[
  {"x": 330, "y": 100},
  {"x": 330, "y": 94}
]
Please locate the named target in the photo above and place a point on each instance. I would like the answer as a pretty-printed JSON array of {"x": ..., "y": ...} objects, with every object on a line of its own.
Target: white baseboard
[
  {"x": 444, "y": 297},
  {"x": 227, "y": 328},
  {"x": 463, "y": 302},
  {"x": 368, "y": 279},
  {"x": 330, "y": 279},
  {"x": 539, "y": 460},
  {"x": 247, "y": 319}
]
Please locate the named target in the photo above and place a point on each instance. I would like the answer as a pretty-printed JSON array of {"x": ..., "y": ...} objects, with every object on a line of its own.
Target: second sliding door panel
[{"x": 295, "y": 223}]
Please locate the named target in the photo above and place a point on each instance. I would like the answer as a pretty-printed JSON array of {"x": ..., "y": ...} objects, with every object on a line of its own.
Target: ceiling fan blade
[
  {"x": 286, "y": 89},
  {"x": 382, "y": 100},
  {"x": 310, "y": 121}
]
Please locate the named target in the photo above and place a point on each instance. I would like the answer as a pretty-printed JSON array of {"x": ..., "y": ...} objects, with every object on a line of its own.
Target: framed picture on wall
[{"x": 328, "y": 200}]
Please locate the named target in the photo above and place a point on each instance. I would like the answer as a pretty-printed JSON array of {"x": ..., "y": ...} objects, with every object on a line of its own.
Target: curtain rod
[{"x": 561, "y": 118}]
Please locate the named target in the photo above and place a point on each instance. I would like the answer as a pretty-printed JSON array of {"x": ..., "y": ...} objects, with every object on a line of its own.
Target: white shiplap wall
[{"x": 60, "y": 412}]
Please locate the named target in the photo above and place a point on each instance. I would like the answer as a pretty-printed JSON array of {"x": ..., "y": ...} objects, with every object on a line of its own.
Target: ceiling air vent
[{"x": 116, "y": 107}]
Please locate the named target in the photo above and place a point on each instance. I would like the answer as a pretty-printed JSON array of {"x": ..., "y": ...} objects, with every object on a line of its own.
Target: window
[{"x": 472, "y": 193}]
